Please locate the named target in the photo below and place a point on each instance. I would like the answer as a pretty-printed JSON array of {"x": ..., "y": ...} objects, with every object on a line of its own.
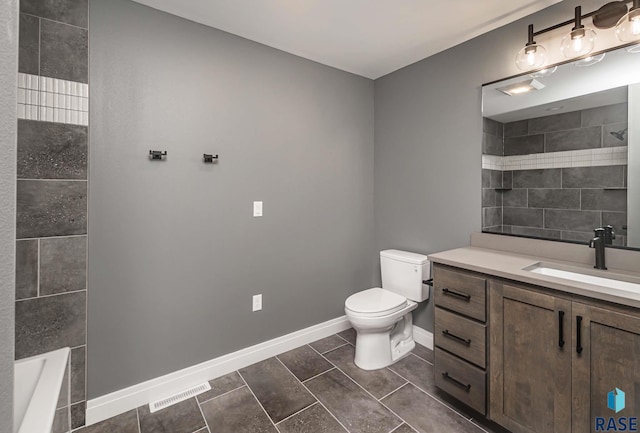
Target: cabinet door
[
  {"x": 530, "y": 360},
  {"x": 609, "y": 358}
]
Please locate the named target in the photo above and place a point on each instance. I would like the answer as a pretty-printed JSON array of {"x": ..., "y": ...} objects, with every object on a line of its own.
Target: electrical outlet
[
  {"x": 257, "y": 302},
  {"x": 257, "y": 208}
]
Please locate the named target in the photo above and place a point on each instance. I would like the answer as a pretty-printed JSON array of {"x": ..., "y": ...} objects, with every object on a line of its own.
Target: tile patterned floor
[{"x": 315, "y": 388}]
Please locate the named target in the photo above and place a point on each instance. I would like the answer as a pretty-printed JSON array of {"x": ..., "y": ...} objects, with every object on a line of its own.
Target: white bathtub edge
[
  {"x": 40, "y": 413},
  {"x": 123, "y": 400}
]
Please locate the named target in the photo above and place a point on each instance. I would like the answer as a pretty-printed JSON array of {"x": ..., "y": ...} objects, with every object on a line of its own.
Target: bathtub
[{"x": 37, "y": 385}]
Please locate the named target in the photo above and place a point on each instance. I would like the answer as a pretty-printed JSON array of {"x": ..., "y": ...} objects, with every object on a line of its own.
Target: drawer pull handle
[
  {"x": 561, "y": 328},
  {"x": 456, "y": 294},
  {"x": 456, "y": 382},
  {"x": 465, "y": 341},
  {"x": 579, "y": 334}
]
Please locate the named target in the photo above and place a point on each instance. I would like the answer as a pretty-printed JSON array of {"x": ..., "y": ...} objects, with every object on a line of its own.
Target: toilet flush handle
[{"x": 428, "y": 282}]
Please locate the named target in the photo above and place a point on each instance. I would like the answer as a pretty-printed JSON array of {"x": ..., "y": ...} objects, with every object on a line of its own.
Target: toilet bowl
[{"x": 381, "y": 316}]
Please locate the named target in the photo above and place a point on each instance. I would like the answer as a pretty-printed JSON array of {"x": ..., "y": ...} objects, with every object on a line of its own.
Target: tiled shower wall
[
  {"x": 574, "y": 177},
  {"x": 51, "y": 224}
]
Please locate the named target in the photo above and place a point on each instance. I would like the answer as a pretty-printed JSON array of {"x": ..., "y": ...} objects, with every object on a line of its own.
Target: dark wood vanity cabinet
[{"x": 551, "y": 358}]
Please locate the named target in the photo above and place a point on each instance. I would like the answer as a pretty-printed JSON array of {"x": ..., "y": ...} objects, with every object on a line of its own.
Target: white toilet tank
[{"x": 403, "y": 273}]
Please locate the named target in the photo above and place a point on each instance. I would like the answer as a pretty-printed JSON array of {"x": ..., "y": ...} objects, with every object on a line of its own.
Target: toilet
[{"x": 382, "y": 316}]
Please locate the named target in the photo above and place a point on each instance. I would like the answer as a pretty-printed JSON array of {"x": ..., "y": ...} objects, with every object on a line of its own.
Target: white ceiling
[{"x": 366, "y": 37}]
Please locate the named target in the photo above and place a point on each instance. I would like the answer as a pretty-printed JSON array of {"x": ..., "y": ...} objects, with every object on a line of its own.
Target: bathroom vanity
[{"x": 535, "y": 352}]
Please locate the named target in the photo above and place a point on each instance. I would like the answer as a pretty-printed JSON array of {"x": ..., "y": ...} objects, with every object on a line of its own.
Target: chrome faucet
[{"x": 598, "y": 243}]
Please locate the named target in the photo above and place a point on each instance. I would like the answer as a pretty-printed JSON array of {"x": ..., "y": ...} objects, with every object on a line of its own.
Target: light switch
[{"x": 257, "y": 208}]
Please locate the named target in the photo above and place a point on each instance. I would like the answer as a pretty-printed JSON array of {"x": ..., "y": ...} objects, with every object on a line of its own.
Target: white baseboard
[
  {"x": 423, "y": 337},
  {"x": 115, "y": 403}
]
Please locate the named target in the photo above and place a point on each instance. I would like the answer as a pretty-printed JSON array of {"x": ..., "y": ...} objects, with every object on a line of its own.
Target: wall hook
[
  {"x": 157, "y": 154},
  {"x": 208, "y": 159}
]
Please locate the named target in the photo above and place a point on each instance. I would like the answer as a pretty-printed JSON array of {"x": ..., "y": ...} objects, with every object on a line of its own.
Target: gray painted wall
[
  {"x": 8, "y": 126},
  {"x": 174, "y": 253},
  {"x": 428, "y": 141}
]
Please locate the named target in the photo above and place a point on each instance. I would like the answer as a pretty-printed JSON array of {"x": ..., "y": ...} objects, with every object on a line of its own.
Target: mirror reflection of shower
[{"x": 620, "y": 135}]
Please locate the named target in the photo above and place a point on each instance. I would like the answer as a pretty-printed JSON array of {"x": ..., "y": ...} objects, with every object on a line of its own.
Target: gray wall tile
[
  {"x": 524, "y": 145},
  {"x": 496, "y": 179},
  {"x": 63, "y": 265},
  {"x": 602, "y": 115},
  {"x": 554, "y": 198},
  {"x": 609, "y": 176},
  {"x": 51, "y": 150},
  {"x": 51, "y": 208},
  {"x": 26, "y": 269},
  {"x": 584, "y": 138},
  {"x": 575, "y": 220},
  {"x": 29, "y": 42},
  {"x": 491, "y": 216},
  {"x": 612, "y": 133},
  {"x": 507, "y": 179},
  {"x": 492, "y": 127},
  {"x": 514, "y": 198},
  {"x": 585, "y": 236},
  {"x": 514, "y": 216},
  {"x": 492, "y": 145},
  {"x": 556, "y": 122},
  {"x": 63, "y": 51},
  {"x": 73, "y": 12},
  {"x": 535, "y": 232},
  {"x": 183, "y": 417},
  {"x": 488, "y": 197},
  {"x": 78, "y": 373},
  {"x": 543, "y": 178},
  {"x": 617, "y": 219},
  {"x": 49, "y": 323},
  {"x": 601, "y": 199},
  {"x": 515, "y": 129},
  {"x": 237, "y": 411}
]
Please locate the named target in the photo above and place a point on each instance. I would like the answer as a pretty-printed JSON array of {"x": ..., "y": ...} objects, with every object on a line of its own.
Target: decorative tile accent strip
[
  {"x": 52, "y": 100},
  {"x": 566, "y": 159}
]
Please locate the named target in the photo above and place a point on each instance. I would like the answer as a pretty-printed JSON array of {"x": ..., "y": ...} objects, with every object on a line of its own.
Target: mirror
[{"x": 561, "y": 151}]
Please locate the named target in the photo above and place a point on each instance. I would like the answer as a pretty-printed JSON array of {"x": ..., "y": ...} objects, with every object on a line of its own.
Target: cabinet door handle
[
  {"x": 465, "y": 341},
  {"x": 579, "y": 334},
  {"x": 456, "y": 294},
  {"x": 456, "y": 382},
  {"x": 561, "y": 328}
]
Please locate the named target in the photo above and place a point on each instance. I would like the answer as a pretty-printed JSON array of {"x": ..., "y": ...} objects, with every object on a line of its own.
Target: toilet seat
[{"x": 375, "y": 302}]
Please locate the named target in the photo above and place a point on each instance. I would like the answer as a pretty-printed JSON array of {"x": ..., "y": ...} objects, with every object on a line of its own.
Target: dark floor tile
[
  {"x": 125, "y": 423},
  {"x": 378, "y": 382},
  {"x": 416, "y": 371},
  {"x": 48, "y": 150},
  {"x": 304, "y": 362},
  {"x": 78, "y": 412},
  {"x": 425, "y": 414},
  {"x": 607, "y": 176},
  {"x": 605, "y": 115},
  {"x": 349, "y": 335},
  {"x": 404, "y": 428},
  {"x": 327, "y": 344},
  {"x": 353, "y": 407},
  {"x": 279, "y": 392},
  {"x": 29, "y": 41},
  {"x": 26, "y": 269},
  {"x": 73, "y": 12},
  {"x": 50, "y": 323},
  {"x": 63, "y": 265},
  {"x": 315, "y": 419},
  {"x": 61, "y": 422},
  {"x": 183, "y": 417},
  {"x": 236, "y": 411},
  {"x": 64, "y": 52},
  {"x": 78, "y": 373},
  {"x": 222, "y": 385},
  {"x": 574, "y": 220},
  {"x": 51, "y": 208},
  {"x": 423, "y": 352},
  {"x": 555, "y": 122}
]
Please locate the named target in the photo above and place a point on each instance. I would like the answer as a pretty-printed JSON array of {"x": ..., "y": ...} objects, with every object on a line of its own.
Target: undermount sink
[{"x": 614, "y": 281}]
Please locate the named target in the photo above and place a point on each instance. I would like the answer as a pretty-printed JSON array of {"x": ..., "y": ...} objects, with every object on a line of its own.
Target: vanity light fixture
[
  {"x": 544, "y": 73},
  {"x": 628, "y": 28},
  {"x": 580, "y": 41},
  {"x": 521, "y": 87},
  {"x": 591, "y": 60}
]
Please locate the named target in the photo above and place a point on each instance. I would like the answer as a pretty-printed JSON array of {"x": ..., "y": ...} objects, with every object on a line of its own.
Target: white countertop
[{"x": 511, "y": 266}]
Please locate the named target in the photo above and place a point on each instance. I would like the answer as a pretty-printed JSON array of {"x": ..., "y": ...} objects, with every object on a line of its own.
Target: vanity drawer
[
  {"x": 460, "y": 336},
  {"x": 461, "y": 380},
  {"x": 460, "y": 292}
]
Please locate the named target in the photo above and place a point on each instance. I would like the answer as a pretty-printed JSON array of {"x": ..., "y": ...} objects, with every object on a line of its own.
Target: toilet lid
[{"x": 375, "y": 301}]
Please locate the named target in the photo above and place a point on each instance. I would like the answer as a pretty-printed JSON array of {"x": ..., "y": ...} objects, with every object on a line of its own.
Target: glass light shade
[
  {"x": 578, "y": 43},
  {"x": 531, "y": 57},
  {"x": 591, "y": 60},
  {"x": 544, "y": 73},
  {"x": 628, "y": 28}
]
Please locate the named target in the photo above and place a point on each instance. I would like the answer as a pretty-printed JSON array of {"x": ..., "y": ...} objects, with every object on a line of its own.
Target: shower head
[{"x": 619, "y": 134}]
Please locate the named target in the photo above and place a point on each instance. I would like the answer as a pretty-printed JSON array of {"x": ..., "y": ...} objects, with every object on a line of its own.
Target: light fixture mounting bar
[{"x": 579, "y": 17}]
